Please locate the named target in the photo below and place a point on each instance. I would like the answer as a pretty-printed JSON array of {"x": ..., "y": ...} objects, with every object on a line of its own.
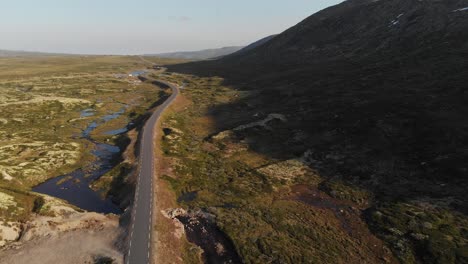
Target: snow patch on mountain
[
  {"x": 461, "y": 9},
  {"x": 396, "y": 21}
]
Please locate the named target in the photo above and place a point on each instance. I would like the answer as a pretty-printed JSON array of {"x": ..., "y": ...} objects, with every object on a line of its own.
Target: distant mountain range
[
  {"x": 16, "y": 53},
  {"x": 198, "y": 55},
  {"x": 187, "y": 55},
  {"x": 211, "y": 53}
]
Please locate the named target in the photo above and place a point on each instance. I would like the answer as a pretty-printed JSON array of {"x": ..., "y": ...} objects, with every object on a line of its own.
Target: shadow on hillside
[{"x": 401, "y": 134}]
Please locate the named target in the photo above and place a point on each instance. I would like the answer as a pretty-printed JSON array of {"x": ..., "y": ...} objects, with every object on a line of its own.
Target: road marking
[{"x": 143, "y": 164}]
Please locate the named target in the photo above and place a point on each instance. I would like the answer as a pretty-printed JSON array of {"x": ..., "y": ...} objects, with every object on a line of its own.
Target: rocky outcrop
[
  {"x": 201, "y": 229},
  {"x": 56, "y": 218},
  {"x": 262, "y": 123}
]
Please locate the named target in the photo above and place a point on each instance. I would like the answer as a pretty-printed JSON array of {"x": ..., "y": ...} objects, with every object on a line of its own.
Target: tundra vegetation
[
  {"x": 279, "y": 202},
  {"x": 375, "y": 99},
  {"x": 45, "y": 104},
  {"x": 271, "y": 209}
]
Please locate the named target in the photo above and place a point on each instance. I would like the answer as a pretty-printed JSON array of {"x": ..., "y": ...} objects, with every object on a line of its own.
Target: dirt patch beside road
[
  {"x": 79, "y": 246},
  {"x": 169, "y": 240}
]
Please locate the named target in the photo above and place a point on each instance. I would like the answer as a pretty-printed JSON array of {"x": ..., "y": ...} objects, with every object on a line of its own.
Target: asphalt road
[{"x": 140, "y": 228}]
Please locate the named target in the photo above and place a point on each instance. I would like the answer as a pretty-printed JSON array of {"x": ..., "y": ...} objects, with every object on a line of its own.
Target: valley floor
[
  {"x": 233, "y": 204},
  {"x": 61, "y": 120}
]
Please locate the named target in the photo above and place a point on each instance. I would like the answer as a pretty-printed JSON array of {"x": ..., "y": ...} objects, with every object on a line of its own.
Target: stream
[{"x": 74, "y": 187}]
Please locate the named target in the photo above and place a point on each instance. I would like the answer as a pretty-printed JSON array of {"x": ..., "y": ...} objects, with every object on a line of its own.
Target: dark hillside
[
  {"x": 378, "y": 92},
  {"x": 254, "y": 45},
  {"x": 358, "y": 31}
]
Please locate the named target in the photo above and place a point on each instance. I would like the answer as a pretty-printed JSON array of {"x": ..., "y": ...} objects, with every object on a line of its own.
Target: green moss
[
  {"x": 40, "y": 117},
  {"x": 25, "y": 204},
  {"x": 340, "y": 190},
  {"x": 114, "y": 182},
  {"x": 38, "y": 204},
  {"x": 263, "y": 228},
  {"x": 433, "y": 235},
  {"x": 192, "y": 254}
]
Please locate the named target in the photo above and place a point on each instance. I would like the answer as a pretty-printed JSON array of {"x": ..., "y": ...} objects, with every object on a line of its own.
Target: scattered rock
[
  {"x": 60, "y": 219},
  {"x": 395, "y": 231},
  {"x": 419, "y": 236},
  {"x": 6, "y": 176},
  {"x": 262, "y": 123},
  {"x": 9, "y": 231},
  {"x": 228, "y": 134},
  {"x": 286, "y": 170},
  {"x": 173, "y": 213},
  {"x": 220, "y": 249},
  {"x": 427, "y": 225},
  {"x": 6, "y": 201}
]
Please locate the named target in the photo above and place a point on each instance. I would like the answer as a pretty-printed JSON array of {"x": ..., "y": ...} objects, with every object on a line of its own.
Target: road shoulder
[{"x": 168, "y": 238}]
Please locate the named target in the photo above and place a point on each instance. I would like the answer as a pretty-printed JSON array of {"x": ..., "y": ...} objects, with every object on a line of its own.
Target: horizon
[
  {"x": 185, "y": 132},
  {"x": 117, "y": 28}
]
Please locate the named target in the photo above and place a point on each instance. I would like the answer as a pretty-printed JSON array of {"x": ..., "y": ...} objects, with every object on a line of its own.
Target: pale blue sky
[{"x": 145, "y": 26}]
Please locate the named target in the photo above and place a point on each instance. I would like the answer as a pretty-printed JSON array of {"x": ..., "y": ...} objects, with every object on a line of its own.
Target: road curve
[{"x": 139, "y": 251}]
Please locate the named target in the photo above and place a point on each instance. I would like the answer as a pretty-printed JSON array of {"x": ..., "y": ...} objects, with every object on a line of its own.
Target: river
[{"x": 74, "y": 187}]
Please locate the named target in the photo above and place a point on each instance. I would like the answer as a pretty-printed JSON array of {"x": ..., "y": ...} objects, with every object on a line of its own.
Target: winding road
[{"x": 141, "y": 220}]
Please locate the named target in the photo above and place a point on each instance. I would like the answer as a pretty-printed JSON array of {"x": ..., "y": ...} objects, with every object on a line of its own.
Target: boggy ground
[
  {"x": 235, "y": 149},
  {"x": 45, "y": 104},
  {"x": 374, "y": 92},
  {"x": 273, "y": 210}
]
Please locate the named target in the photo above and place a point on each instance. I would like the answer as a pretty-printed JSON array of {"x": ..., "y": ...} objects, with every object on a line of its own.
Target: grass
[
  {"x": 419, "y": 231},
  {"x": 379, "y": 134},
  {"x": 341, "y": 190},
  {"x": 16, "y": 205},
  {"x": 41, "y": 124},
  {"x": 114, "y": 182},
  {"x": 249, "y": 193},
  {"x": 240, "y": 176}
]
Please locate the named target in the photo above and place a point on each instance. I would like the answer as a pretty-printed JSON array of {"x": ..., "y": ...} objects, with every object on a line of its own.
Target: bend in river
[{"x": 74, "y": 187}]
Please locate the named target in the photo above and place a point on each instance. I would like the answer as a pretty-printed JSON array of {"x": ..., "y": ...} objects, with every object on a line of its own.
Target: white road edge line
[{"x": 158, "y": 112}]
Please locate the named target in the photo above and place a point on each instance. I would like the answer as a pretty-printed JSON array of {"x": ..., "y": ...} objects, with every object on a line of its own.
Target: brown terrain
[{"x": 368, "y": 95}]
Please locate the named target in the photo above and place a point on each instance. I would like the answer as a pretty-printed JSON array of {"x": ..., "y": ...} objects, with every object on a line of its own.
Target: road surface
[{"x": 141, "y": 220}]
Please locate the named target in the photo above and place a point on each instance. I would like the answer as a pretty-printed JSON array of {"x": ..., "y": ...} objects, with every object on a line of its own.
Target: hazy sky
[{"x": 145, "y": 26}]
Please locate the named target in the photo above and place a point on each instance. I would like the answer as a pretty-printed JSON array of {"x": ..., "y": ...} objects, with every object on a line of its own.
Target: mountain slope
[
  {"x": 253, "y": 45},
  {"x": 360, "y": 29},
  {"x": 377, "y": 92},
  {"x": 14, "y": 53},
  {"x": 198, "y": 55}
]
